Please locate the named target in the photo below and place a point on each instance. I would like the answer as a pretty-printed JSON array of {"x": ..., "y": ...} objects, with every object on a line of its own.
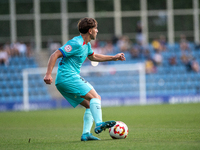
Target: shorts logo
[{"x": 68, "y": 48}]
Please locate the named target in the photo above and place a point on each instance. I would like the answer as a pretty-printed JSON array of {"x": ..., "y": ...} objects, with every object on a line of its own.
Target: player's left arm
[{"x": 101, "y": 58}]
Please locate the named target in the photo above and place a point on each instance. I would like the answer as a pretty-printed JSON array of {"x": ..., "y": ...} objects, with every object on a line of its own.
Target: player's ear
[{"x": 90, "y": 31}]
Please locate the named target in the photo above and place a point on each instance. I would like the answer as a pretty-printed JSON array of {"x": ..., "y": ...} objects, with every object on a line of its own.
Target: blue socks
[
  {"x": 87, "y": 121},
  {"x": 95, "y": 108}
]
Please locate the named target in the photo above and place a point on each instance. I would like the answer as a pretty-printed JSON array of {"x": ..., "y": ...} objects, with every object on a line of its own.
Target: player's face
[{"x": 93, "y": 34}]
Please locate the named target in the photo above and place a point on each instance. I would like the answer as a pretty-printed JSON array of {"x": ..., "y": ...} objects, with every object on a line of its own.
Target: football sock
[
  {"x": 95, "y": 108},
  {"x": 87, "y": 121}
]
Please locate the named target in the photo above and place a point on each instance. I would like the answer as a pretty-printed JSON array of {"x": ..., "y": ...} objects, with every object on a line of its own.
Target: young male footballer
[{"x": 71, "y": 85}]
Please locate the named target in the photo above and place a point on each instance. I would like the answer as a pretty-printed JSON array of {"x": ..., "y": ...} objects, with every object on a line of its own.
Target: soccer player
[{"x": 71, "y": 85}]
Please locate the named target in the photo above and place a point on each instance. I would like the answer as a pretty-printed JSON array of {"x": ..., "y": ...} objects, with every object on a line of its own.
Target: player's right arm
[{"x": 51, "y": 63}]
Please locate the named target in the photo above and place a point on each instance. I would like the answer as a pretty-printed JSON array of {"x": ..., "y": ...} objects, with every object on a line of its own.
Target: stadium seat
[
  {"x": 11, "y": 84},
  {"x": 167, "y": 81}
]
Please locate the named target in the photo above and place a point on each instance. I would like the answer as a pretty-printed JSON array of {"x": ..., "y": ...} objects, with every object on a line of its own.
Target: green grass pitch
[{"x": 151, "y": 127}]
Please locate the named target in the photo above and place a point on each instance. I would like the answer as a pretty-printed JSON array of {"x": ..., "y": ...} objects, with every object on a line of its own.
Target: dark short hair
[{"x": 85, "y": 24}]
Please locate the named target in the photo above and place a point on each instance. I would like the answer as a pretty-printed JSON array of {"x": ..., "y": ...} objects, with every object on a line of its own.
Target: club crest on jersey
[{"x": 68, "y": 48}]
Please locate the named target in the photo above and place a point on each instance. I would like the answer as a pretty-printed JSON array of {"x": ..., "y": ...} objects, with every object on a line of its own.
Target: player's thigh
[{"x": 91, "y": 94}]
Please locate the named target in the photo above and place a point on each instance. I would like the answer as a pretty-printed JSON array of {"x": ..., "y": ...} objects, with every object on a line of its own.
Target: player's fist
[
  {"x": 48, "y": 79},
  {"x": 120, "y": 56}
]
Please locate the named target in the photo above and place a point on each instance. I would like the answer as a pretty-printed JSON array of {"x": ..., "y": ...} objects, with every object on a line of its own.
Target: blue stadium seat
[
  {"x": 168, "y": 80},
  {"x": 11, "y": 84}
]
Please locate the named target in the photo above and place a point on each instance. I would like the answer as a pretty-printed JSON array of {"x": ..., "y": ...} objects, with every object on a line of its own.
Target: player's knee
[
  {"x": 96, "y": 96},
  {"x": 99, "y": 97}
]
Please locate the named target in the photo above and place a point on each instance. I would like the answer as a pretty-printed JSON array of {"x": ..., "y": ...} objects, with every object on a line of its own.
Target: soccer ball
[{"x": 119, "y": 130}]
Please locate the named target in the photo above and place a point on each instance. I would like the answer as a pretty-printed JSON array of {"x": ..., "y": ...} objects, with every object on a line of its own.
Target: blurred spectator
[
  {"x": 15, "y": 49},
  {"x": 109, "y": 47},
  {"x": 124, "y": 43},
  {"x": 100, "y": 49},
  {"x": 186, "y": 55},
  {"x": 159, "y": 45},
  {"x": 139, "y": 35},
  {"x": 149, "y": 65},
  {"x": 4, "y": 57},
  {"x": 22, "y": 48},
  {"x": 135, "y": 51},
  {"x": 192, "y": 65},
  {"x": 114, "y": 40},
  {"x": 195, "y": 65},
  {"x": 158, "y": 58},
  {"x": 18, "y": 49},
  {"x": 190, "y": 62},
  {"x": 185, "y": 58},
  {"x": 172, "y": 60},
  {"x": 162, "y": 42},
  {"x": 156, "y": 45},
  {"x": 7, "y": 48},
  {"x": 147, "y": 53},
  {"x": 184, "y": 44},
  {"x": 94, "y": 44},
  {"x": 29, "y": 50}
]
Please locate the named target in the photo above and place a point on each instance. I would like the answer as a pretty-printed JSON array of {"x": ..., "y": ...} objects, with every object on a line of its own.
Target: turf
[{"x": 151, "y": 127}]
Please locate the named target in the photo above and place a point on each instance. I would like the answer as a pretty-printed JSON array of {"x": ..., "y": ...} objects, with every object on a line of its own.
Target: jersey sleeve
[
  {"x": 70, "y": 48},
  {"x": 90, "y": 51}
]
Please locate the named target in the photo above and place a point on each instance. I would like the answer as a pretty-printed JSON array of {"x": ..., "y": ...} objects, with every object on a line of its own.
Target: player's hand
[
  {"x": 120, "y": 56},
  {"x": 48, "y": 79}
]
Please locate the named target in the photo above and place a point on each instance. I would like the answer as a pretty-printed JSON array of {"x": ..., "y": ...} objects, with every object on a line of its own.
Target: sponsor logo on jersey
[{"x": 68, "y": 48}]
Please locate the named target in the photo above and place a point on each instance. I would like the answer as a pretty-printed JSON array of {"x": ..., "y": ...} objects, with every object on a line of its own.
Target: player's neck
[{"x": 86, "y": 38}]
